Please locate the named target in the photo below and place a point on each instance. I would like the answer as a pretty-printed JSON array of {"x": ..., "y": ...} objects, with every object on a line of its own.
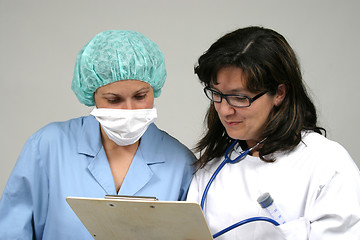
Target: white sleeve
[
  {"x": 298, "y": 229},
  {"x": 335, "y": 213},
  {"x": 194, "y": 194}
]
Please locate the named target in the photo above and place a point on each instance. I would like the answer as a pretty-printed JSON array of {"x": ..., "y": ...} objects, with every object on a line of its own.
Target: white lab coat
[{"x": 316, "y": 186}]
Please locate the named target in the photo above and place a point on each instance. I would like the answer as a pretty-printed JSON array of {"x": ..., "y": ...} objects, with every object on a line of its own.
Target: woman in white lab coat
[{"x": 258, "y": 98}]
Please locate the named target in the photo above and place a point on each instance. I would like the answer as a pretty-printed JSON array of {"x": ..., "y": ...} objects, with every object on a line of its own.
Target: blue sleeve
[
  {"x": 23, "y": 205},
  {"x": 189, "y": 171}
]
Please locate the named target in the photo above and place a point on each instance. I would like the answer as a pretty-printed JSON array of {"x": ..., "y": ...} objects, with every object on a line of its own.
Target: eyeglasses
[{"x": 235, "y": 100}]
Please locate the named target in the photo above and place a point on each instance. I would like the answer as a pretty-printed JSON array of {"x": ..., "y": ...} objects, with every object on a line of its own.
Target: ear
[{"x": 280, "y": 94}]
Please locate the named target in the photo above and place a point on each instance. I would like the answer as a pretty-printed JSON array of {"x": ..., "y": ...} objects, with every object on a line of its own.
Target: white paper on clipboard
[{"x": 139, "y": 219}]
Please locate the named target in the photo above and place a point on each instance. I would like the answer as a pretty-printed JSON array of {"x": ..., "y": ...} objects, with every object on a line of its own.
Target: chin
[
  {"x": 238, "y": 135},
  {"x": 234, "y": 136}
]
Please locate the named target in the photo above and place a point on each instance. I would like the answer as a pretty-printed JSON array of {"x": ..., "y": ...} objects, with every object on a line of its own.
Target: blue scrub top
[{"x": 67, "y": 159}]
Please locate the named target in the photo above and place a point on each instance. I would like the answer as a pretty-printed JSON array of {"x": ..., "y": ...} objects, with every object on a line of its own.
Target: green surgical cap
[{"x": 117, "y": 55}]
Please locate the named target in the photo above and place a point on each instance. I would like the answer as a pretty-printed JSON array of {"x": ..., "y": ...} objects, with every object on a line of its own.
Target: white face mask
[{"x": 124, "y": 126}]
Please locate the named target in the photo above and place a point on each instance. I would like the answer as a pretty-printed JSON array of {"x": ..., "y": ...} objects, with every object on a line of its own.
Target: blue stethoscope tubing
[
  {"x": 223, "y": 163},
  {"x": 226, "y": 160},
  {"x": 248, "y": 220}
]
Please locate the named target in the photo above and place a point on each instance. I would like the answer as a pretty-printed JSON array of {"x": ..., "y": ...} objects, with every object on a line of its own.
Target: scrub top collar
[
  {"x": 89, "y": 140},
  {"x": 146, "y": 155},
  {"x": 91, "y": 130}
]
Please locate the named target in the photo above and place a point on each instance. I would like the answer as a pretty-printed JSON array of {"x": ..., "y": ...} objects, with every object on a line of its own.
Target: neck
[
  {"x": 256, "y": 145},
  {"x": 254, "y": 153},
  {"x": 251, "y": 143}
]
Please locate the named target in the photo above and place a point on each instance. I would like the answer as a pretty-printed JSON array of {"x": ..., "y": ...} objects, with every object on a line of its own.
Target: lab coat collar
[
  {"x": 150, "y": 145},
  {"x": 139, "y": 173},
  {"x": 100, "y": 169},
  {"x": 89, "y": 139}
]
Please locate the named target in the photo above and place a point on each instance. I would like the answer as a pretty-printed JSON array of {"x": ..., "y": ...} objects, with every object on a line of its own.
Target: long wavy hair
[{"x": 267, "y": 60}]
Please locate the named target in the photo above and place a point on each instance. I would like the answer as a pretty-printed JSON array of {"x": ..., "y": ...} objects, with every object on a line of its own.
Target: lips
[{"x": 232, "y": 123}]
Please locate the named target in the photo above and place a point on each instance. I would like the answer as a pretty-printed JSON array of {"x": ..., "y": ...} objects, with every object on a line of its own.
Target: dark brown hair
[{"x": 268, "y": 61}]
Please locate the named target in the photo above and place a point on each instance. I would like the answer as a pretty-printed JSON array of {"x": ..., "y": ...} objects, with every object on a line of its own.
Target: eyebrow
[
  {"x": 136, "y": 92},
  {"x": 239, "y": 91}
]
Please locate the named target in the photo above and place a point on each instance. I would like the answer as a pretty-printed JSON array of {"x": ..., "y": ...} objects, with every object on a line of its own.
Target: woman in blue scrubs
[{"x": 117, "y": 149}]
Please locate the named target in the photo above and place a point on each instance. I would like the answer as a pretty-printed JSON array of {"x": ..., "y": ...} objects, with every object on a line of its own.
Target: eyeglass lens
[{"x": 236, "y": 100}]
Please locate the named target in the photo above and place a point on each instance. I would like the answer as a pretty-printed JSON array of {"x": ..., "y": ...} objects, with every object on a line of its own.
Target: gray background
[{"x": 40, "y": 39}]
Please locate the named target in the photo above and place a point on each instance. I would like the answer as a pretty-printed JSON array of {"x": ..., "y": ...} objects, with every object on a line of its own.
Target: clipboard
[{"x": 129, "y": 218}]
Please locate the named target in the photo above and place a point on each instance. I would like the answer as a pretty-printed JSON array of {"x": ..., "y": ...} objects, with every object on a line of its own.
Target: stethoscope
[{"x": 226, "y": 160}]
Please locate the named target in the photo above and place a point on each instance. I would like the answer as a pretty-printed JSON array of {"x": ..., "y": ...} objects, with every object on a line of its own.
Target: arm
[
  {"x": 187, "y": 176},
  {"x": 193, "y": 194},
  {"x": 24, "y": 202},
  {"x": 334, "y": 212}
]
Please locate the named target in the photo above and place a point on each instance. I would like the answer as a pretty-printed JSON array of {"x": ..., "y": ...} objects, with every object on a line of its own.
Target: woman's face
[
  {"x": 243, "y": 123},
  {"x": 125, "y": 94}
]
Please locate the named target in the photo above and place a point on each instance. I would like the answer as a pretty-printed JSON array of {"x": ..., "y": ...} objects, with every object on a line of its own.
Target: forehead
[
  {"x": 124, "y": 86},
  {"x": 231, "y": 78}
]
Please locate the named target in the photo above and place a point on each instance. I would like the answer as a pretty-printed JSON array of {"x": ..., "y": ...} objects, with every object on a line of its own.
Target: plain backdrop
[{"x": 39, "y": 41}]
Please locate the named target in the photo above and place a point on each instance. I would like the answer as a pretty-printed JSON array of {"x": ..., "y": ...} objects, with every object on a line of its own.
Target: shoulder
[
  {"x": 204, "y": 173},
  {"x": 67, "y": 125},
  {"x": 320, "y": 145},
  {"x": 59, "y": 130},
  {"x": 163, "y": 143},
  {"x": 162, "y": 138},
  {"x": 319, "y": 151}
]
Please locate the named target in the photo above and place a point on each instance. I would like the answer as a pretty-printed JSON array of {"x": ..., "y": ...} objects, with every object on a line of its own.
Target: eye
[
  {"x": 239, "y": 99},
  {"x": 113, "y": 100},
  {"x": 140, "y": 96},
  {"x": 216, "y": 95}
]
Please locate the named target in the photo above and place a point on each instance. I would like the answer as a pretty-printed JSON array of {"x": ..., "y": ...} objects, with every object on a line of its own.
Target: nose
[
  {"x": 128, "y": 104},
  {"x": 224, "y": 108}
]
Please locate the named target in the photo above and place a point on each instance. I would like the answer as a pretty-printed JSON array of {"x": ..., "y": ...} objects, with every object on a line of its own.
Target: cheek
[
  {"x": 150, "y": 102},
  {"x": 147, "y": 103},
  {"x": 219, "y": 113},
  {"x": 100, "y": 103},
  {"x": 261, "y": 118},
  {"x": 96, "y": 100}
]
